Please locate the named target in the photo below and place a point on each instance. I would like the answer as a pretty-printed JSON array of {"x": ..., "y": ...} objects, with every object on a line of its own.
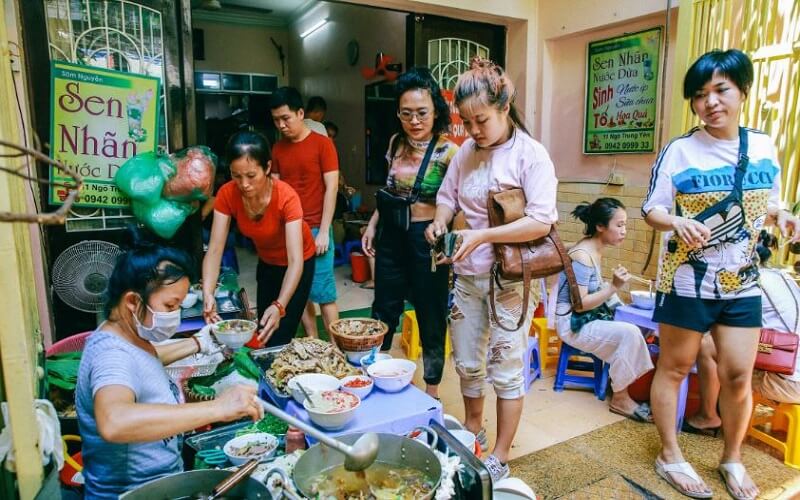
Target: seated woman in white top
[
  {"x": 592, "y": 329},
  {"x": 780, "y": 308}
]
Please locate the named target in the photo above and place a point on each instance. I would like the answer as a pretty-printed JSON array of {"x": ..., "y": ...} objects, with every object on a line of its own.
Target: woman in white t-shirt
[
  {"x": 711, "y": 192},
  {"x": 499, "y": 155}
]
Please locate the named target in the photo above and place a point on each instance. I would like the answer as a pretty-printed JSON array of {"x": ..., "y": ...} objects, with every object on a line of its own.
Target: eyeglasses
[{"x": 407, "y": 116}]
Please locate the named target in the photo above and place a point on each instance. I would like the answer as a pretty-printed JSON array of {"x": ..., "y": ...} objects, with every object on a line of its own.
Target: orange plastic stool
[
  {"x": 410, "y": 341},
  {"x": 786, "y": 417},
  {"x": 549, "y": 343}
]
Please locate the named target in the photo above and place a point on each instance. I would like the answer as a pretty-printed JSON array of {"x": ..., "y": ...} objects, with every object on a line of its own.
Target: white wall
[
  {"x": 319, "y": 67},
  {"x": 242, "y": 49}
]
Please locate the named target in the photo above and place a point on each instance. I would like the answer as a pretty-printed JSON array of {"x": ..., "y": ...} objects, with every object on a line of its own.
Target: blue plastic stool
[
  {"x": 339, "y": 257},
  {"x": 598, "y": 381},
  {"x": 229, "y": 259},
  {"x": 342, "y": 251},
  {"x": 533, "y": 362}
]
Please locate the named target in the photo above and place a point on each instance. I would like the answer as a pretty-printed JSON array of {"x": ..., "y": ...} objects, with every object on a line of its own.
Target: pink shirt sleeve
[
  {"x": 538, "y": 180},
  {"x": 448, "y": 191}
]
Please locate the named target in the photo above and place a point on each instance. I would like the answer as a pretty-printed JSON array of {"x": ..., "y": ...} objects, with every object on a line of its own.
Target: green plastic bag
[
  {"x": 142, "y": 177},
  {"x": 164, "y": 217},
  {"x": 241, "y": 362}
]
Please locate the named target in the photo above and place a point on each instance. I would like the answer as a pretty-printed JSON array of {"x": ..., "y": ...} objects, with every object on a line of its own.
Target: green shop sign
[
  {"x": 621, "y": 93},
  {"x": 98, "y": 119}
]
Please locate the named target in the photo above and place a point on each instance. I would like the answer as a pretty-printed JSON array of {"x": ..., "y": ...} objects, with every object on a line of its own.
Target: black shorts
[{"x": 699, "y": 314}]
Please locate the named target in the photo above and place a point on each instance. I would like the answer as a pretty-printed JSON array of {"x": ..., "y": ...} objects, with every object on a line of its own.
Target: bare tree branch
[{"x": 60, "y": 215}]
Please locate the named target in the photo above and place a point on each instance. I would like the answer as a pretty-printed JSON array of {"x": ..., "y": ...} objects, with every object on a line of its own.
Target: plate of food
[{"x": 256, "y": 445}]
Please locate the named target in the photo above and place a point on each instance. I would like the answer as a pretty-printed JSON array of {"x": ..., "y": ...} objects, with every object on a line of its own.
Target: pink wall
[{"x": 563, "y": 98}]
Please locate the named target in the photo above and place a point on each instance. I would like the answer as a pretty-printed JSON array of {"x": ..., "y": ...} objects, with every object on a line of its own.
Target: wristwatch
[{"x": 281, "y": 309}]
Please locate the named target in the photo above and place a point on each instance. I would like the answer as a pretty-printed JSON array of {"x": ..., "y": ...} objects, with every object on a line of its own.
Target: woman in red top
[{"x": 268, "y": 212}]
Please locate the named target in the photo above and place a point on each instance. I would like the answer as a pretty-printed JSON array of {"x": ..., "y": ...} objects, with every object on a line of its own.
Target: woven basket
[{"x": 357, "y": 343}]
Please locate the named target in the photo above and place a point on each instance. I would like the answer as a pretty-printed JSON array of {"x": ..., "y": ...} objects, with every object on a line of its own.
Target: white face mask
[{"x": 165, "y": 324}]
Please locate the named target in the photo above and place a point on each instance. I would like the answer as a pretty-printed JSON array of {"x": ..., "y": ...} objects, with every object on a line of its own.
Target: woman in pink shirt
[{"x": 499, "y": 155}]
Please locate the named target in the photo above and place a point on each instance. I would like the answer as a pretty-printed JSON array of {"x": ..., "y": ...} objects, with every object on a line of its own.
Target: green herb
[{"x": 269, "y": 424}]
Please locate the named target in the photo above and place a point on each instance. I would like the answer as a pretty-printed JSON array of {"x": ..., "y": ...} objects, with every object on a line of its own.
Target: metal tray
[
  {"x": 266, "y": 390},
  {"x": 217, "y": 438}
]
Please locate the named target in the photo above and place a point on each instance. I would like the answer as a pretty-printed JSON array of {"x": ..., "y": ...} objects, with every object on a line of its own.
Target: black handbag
[
  {"x": 726, "y": 217},
  {"x": 395, "y": 210}
]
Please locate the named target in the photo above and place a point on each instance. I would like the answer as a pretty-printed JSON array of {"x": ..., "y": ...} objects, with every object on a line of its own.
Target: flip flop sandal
[
  {"x": 708, "y": 431},
  {"x": 664, "y": 470},
  {"x": 736, "y": 471},
  {"x": 640, "y": 414}
]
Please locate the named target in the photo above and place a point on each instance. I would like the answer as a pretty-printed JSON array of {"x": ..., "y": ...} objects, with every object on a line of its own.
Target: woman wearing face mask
[
  {"x": 499, "y": 155},
  {"x": 618, "y": 343},
  {"x": 129, "y": 410}
]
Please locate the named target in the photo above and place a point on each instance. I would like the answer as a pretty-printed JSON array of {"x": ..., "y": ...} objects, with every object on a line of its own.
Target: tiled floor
[{"x": 548, "y": 418}]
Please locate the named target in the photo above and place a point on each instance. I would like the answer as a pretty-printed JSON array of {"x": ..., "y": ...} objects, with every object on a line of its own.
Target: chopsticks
[{"x": 649, "y": 283}]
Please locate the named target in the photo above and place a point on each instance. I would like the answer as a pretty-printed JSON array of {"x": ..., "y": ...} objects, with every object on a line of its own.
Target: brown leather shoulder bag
[{"x": 528, "y": 260}]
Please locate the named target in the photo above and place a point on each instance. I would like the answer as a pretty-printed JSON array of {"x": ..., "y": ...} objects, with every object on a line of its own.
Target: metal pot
[
  {"x": 394, "y": 450},
  {"x": 192, "y": 483}
]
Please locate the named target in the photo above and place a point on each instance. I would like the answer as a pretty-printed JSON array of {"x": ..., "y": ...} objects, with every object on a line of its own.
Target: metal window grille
[
  {"x": 449, "y": 57},
  {"x": 111, "y": 34}
]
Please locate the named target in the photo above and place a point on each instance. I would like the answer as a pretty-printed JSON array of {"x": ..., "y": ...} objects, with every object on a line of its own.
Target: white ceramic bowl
[
  {"x": 392, "y": 375},
  {"x": 378, "y": 357},
  {"x": 643, "y": 299},
  {"x": 361, "y": 392},
  {"x": 269, "y": 440},
  {"x": 237, "y": 337},
  {"x": 512, "y": 488},
  {"x": 332, "y": 420},
  {"x": 311, "y": 382},
  {"x": 354, "y": 357},
  {"x": 189, "y": 301}
]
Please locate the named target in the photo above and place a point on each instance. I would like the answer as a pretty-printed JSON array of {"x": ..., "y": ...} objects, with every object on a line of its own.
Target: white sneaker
[{"x": 496, "y": 469}]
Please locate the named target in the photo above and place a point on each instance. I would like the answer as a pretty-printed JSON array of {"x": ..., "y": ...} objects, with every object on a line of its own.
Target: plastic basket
[
  {"x": 357, "y": 343},
  {"x": 74, "y": 343},
  {"x": 194, "y": 366}
]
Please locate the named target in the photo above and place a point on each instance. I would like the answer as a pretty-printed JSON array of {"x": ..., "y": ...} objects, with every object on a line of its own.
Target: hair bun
[{"x": 477, "y": 62}]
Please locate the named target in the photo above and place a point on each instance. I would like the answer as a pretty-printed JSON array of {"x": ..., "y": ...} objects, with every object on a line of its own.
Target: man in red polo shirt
[{"x": 308, "y": 162}]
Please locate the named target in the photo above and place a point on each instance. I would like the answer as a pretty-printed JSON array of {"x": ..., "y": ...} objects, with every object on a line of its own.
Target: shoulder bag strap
[
  {"x": 414, "y": 196},
  {"x": 741, "y": 164},
  {"x": 526, "y": 293},
  {"x": 780, "y": 316}
]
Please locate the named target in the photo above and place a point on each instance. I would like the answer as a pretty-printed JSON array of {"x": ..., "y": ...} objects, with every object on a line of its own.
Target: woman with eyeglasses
[{"x": 402, "y": 255}]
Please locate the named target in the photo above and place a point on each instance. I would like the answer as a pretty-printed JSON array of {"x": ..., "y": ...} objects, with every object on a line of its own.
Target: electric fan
[{"x": 81, "y": 274}]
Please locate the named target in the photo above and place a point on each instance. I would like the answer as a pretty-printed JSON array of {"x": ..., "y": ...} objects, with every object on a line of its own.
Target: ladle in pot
[{"x": 359, "y": 456}]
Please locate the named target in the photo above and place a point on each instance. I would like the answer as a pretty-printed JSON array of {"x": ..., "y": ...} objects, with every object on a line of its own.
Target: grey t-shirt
[
  {"x": 111, "y": 469},
  {"x": 585, "y": 276}
]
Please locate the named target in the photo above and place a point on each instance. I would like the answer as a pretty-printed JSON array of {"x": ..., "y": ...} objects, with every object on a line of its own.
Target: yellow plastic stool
[
  {"x": 410, "y": 341},
  {"x": 786, "y": 417},
  {"x": 539, "y": 329}
]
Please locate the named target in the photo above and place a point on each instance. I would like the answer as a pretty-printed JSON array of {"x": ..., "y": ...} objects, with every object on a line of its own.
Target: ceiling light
[{"x": 314, "y": 28}]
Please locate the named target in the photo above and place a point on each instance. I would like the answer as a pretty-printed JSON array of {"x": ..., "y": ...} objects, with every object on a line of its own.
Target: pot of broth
[
  {"x": 197, "y": 484},
  {"x": 404, "y": 469}
]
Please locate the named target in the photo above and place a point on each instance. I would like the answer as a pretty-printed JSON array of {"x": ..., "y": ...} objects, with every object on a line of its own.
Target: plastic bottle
[{"x": 295, "y": 440}]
